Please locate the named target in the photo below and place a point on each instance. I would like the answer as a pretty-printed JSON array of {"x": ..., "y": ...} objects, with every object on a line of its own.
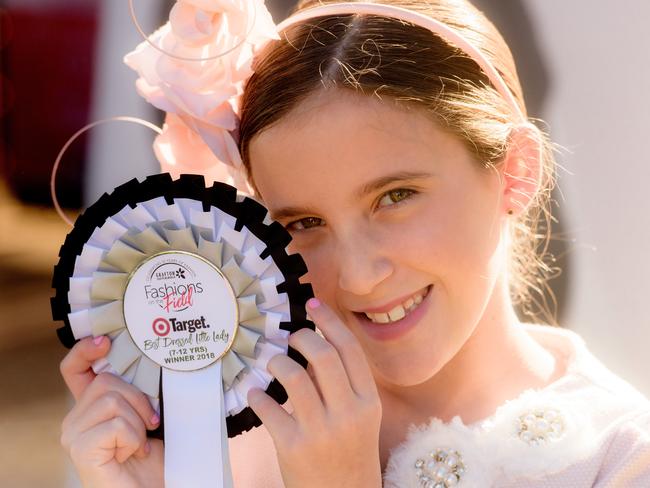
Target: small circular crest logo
[
  {"x": 172, "y": 284},
  {"x": 161, "y": 327}
]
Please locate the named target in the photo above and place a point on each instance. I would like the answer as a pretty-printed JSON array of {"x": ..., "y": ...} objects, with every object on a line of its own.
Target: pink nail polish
[
  {"x": 98, "y": 340},
  {"x": 155, "y": 419},
  {"x": 313, "y": 303}
]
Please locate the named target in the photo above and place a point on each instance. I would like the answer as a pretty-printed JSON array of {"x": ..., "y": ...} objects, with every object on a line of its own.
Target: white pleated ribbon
[{"x": 182, "y": 293}]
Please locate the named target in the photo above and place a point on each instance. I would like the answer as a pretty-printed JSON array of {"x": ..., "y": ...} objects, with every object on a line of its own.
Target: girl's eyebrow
[
  {"x": 288, "y": 212},
  {"x": 383, "y": 181},
  {"x": 368, "y": 188}
]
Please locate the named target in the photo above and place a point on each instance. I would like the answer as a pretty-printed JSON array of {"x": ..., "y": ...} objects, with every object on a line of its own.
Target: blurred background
[{"x": 585, "y": 69}]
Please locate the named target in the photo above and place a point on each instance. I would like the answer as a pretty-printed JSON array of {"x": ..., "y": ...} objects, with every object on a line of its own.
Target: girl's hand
[
  {"x": 332, "y": 437},
  {"x": 105, "y": 432}
]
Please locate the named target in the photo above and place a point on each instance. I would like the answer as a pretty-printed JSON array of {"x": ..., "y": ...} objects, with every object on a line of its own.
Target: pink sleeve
[{"x": 627, "y": 462}]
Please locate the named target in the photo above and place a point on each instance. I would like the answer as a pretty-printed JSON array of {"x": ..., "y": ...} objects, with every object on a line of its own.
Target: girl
[{"x": 412, "y": 187}]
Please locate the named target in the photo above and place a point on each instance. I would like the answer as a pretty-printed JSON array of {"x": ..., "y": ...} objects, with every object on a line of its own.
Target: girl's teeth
[
  {"x": 397, "y": 313},
  {"x": 382, "y": 318}
]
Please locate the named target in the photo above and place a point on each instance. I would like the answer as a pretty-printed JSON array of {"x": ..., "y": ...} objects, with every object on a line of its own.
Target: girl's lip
[
  {"x": 392, "y": 304},
  {"x": 395, "y": 330}
]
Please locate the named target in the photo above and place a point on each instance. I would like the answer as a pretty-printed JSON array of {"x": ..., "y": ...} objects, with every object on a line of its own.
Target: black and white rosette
[{"x": 196, "y": 291}]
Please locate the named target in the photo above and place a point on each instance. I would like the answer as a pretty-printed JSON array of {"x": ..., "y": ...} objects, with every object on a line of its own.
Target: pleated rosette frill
[{"x": 138, "y": 220}]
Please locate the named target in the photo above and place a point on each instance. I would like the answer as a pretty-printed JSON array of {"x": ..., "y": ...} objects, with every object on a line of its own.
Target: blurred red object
[{"x": 46, "y": 75}]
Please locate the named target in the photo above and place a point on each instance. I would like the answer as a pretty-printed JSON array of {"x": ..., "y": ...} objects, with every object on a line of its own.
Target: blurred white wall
[
  {"x": 119, "y": 151},
  {"x": 598, "y": 53}
]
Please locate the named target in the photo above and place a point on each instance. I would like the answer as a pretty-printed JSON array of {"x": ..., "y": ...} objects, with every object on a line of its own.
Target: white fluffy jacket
[{"x": 587, "y": 429}]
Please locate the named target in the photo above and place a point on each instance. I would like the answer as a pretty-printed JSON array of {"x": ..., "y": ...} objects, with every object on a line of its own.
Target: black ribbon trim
[
  {"x": 221, "y": 196},
  {"x": 248, "y": 213},
  {"x": 252, "y": 212}
]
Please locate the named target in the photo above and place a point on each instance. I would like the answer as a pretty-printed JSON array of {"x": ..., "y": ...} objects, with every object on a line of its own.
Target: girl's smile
[
  {"x": 399, "y": 320},
  {"x": 396, "y": 310}
]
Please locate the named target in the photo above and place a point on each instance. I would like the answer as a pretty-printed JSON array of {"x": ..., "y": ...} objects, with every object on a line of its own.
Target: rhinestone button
[
  {"x": 540, "y": 426},
  {"x": 443, "y": 468}
]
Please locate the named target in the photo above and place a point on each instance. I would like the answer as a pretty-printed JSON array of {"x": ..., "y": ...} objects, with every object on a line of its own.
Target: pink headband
[{"x": 420, "y": 20}]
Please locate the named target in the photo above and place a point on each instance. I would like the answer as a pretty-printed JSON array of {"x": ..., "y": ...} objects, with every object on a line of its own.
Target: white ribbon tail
[{"x": 196, "y": 439}]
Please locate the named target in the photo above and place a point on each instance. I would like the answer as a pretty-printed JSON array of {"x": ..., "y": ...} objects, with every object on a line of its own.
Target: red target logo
[{"x": 161, "y": 327}]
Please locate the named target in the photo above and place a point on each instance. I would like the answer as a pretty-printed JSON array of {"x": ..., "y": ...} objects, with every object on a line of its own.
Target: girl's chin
[{"x": 392, "y": 379}]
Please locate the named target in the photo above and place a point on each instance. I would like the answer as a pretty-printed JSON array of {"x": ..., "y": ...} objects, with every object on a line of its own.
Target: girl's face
[{"x": 395, "y": 220}]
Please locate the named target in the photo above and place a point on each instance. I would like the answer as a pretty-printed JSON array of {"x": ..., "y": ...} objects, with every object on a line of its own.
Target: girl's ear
[{"x": 521, "y": 168}]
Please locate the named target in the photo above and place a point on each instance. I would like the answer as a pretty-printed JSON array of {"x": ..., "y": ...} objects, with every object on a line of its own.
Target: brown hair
[{"x": 409, "y": 65}]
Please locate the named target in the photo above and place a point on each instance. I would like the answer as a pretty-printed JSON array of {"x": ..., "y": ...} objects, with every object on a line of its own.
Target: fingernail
[
  {"x": 147, "y": 447},
  {"x": 155, "y": 419},
  {"x": 98, "y": 340},
  {"x": 313, "y": 303}
]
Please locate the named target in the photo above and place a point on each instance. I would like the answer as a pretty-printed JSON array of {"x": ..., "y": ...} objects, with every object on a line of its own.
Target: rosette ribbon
[{"x": 196, "y": 292}]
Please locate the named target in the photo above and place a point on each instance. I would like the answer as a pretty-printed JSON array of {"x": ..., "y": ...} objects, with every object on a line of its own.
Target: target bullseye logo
[{"x": 161, "y": 327}]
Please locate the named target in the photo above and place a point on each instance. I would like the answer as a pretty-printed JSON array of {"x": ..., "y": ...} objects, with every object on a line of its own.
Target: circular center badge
[{"x": 180, "y": 311}]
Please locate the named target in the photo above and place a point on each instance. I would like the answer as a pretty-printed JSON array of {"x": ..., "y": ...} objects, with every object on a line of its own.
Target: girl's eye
[
  {"x": 306, "y": 223},
  {"x": 394, "y": 196}
]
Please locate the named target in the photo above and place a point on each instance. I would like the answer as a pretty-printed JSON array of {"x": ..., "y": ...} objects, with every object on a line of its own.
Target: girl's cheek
[
  {"x": 320, "y": 268},
  {"x": 416, "y": 239}
]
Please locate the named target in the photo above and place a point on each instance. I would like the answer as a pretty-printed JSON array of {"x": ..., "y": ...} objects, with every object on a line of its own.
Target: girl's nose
[{"x": 362, "y": 264}]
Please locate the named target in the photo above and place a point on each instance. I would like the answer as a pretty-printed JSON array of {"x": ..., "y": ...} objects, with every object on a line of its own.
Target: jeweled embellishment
[
  {"x": 541, "y": 426},
  {"x": 443, "y": 468}
]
